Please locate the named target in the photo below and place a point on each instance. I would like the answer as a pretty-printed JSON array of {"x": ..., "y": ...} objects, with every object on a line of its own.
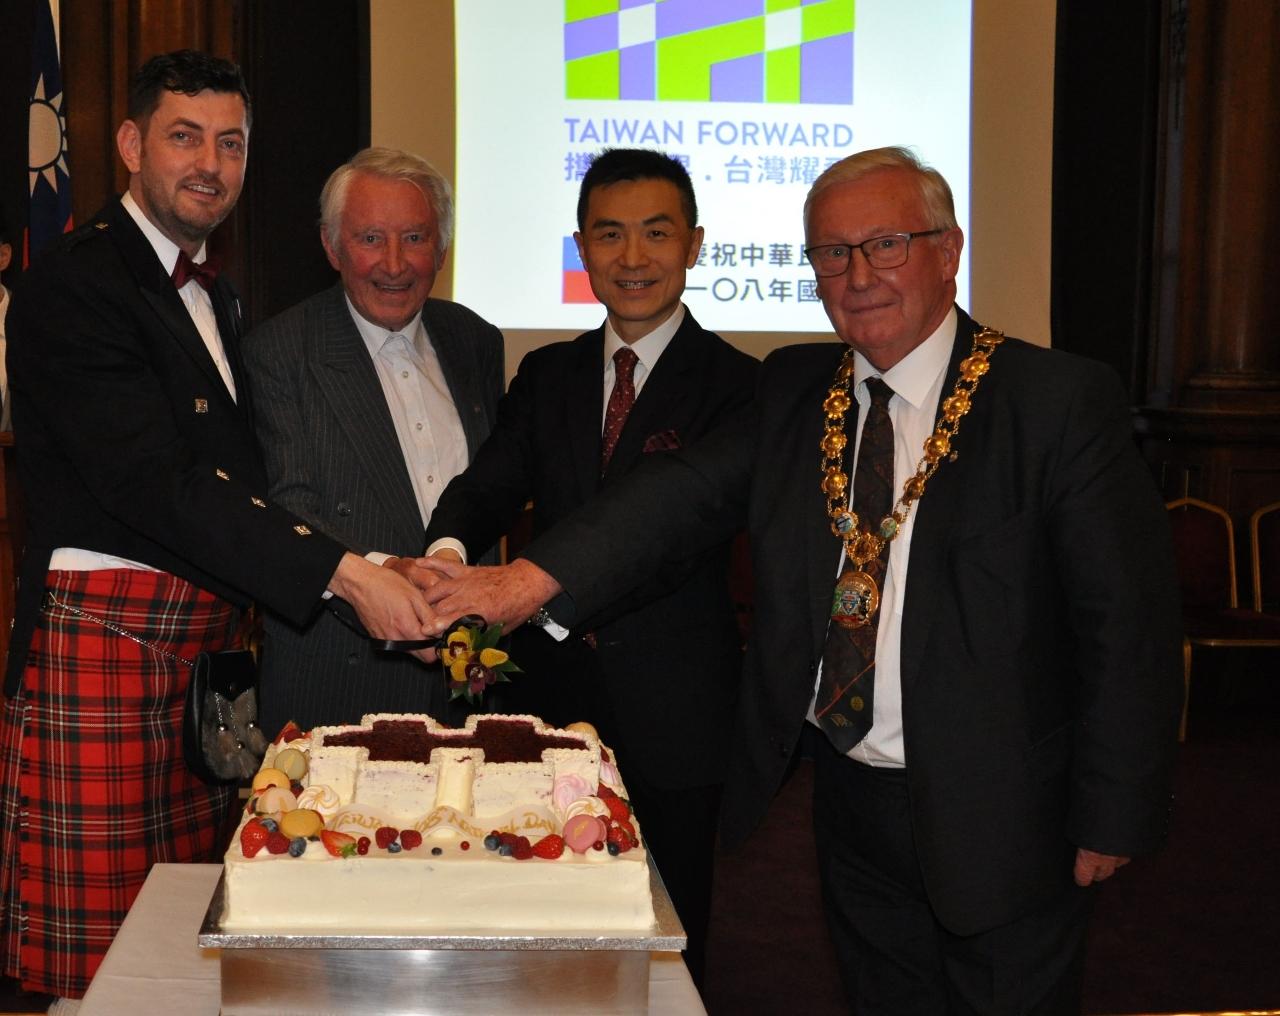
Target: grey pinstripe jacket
[{"x": 333, "y": 457}]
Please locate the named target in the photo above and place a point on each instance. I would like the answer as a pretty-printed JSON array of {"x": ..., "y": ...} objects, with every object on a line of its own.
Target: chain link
[{"x": 51, "y": 599}]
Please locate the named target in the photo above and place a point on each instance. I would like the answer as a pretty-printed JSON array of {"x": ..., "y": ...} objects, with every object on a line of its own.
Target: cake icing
[{"x": 505, "y": 824}]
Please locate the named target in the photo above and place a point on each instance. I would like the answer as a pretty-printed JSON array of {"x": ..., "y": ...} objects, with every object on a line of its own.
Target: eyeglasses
[{"x": 880, "y": 251}]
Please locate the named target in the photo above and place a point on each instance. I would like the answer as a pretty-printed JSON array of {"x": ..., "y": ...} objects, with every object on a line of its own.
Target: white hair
[
  {"x": 390, "y": 164},
  {"x": 934, "y": 191}
]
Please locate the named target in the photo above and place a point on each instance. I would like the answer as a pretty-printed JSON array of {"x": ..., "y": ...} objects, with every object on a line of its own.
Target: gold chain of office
[{"x": 857, "y": 596}]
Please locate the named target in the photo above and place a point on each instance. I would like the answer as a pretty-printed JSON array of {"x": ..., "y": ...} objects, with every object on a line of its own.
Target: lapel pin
[{"x": 202, "y": 405}]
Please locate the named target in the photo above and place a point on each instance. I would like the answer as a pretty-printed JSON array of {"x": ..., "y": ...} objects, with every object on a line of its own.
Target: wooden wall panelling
[
  {"x": 1211, "y": 428},
  {"x": 1171, "y": 135},
  {"x": 95, "y": 73},
  {"x": 1217, "y": 319},
  {"x": 1239, "y": 318},
  {"x": 16, "y": 20},
  {"x": 309, "y": 77},
  {"x": 1106, "y": 103}
]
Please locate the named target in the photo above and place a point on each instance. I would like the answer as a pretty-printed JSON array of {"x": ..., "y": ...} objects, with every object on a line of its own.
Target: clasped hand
[
  {"x": 388, "y": 600},
  {"x": 507, "y": 595},
  {"x": 407, "y": 599}
]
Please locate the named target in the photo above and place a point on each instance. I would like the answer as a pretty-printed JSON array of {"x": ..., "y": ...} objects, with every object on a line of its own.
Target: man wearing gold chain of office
[{"x": 964, "y": 605}]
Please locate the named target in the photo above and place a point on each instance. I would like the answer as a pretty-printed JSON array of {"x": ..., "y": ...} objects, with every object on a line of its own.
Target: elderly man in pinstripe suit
[{"x": 371, "y": 398}]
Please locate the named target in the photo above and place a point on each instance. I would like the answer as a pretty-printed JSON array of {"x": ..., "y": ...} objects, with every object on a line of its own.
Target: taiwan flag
[
  {"x": 575, "y": 287},
  {"x": 49, "y": 179}
]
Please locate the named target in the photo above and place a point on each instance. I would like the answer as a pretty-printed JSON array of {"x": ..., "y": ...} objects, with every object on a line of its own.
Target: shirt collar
[
  {"x": 916, "y": 374},
  {"x": 648, "y": 347},
  {"x": 166, "y": 250},
  {"x": 375, "y": 336}
]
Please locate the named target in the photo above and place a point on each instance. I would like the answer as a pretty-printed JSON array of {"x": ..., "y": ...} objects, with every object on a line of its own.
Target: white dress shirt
[
  {"x": 200, "y": 306},
  {"x": 427, "y": 424},
  {"x": 194, "y": 296},
  {"x": 916, "y": 381}
]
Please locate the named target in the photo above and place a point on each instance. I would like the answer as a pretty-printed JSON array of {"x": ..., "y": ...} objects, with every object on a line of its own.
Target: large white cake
[{"x": 438, "y": 794}]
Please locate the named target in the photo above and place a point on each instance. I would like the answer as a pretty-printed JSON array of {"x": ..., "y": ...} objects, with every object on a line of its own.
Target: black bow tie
[{"x": 185, "y": 270}]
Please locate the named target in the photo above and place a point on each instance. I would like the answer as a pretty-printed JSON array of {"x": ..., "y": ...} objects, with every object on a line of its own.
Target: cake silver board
[{"x": 461, "y": 973}]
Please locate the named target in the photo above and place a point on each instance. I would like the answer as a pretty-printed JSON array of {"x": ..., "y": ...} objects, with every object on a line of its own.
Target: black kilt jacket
[{"x": 128, "y": 441}]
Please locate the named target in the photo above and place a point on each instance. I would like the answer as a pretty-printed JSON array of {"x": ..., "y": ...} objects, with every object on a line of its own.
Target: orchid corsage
[{"x": 472, "y": 660}]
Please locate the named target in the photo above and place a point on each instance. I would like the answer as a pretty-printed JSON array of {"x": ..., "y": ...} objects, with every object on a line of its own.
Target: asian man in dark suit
[
  {"x": 148, "y": 527},
  {"x": 984, "y": 663},
  {"x": 656, "y": 673},
  {"x": 371, "y": 397}
]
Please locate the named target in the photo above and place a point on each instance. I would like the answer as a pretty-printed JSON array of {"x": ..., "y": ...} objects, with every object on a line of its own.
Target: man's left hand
[{"x": 1094, "y": 867}]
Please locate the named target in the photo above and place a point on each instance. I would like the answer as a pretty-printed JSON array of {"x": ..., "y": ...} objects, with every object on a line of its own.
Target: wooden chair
[
  {"x": 1204, "y": 546},
  {"x": 1264, "y": 549}
]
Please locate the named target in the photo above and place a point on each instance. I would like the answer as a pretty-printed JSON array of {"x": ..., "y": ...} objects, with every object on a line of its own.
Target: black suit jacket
[
  {"x": 1040, "y": 673},
  {"x": 334, "y": 458},
  {"x": 669, "y": 651},
  {"x": 129, "y": 442}
]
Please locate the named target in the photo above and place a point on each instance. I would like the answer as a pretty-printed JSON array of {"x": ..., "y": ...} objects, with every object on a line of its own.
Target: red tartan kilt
[{"x": 95, "y": 789}]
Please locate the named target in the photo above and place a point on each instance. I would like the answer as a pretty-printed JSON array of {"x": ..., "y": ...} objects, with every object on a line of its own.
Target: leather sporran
[{"x": 221, "y": 740}]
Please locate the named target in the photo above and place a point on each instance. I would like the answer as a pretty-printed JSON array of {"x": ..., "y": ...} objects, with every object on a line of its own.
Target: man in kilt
[{"x": 148, "y": 529}]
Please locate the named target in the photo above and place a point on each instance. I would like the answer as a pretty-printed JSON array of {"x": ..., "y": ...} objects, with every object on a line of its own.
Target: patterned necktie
[
  {"x": 847, "y": 688},
  {"x": 184, "y": 270},
  {"x": 621, "y": 399}
]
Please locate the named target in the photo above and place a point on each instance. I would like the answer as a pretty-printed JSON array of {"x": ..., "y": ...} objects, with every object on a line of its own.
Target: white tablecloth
[{"x": 155, "y": 966}]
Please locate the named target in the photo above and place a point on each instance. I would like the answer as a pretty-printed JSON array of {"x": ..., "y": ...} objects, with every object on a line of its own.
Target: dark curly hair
[{"x": 189, "y": 72}]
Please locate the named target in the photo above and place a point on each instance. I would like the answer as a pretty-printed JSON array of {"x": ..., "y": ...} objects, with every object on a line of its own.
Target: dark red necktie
[
  {"x": 621, "y": 399},
  {"x": 847, "y": 687},
  {"x": 185, "y": 270}
]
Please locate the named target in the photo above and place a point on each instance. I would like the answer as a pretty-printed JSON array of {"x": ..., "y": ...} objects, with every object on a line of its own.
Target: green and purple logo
[{"x": 795, "y": 51}]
